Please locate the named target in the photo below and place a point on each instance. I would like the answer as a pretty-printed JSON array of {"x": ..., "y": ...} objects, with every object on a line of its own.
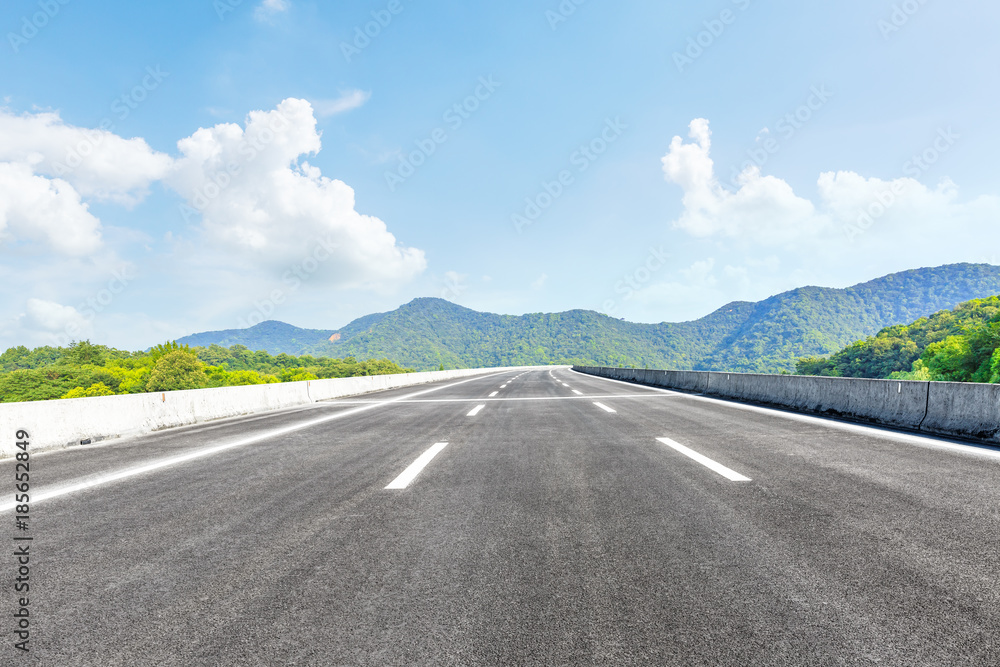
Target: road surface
[{"x": 538, "y": 517}]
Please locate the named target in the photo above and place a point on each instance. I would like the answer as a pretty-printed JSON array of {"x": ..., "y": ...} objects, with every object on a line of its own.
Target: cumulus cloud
[
  {"x": 261, "y": 206},
  {"x": 347, "y": 101},
  {"x": 48, "y": 210},
  {"x": 851, "y": 229},
  {"x": 260, "y": 216},
  {"x": 97, "y": 163},
  {"x": 46, "y": 323},
  {"x": 763, "y": 206},
  {"x": 53, "y": 317},
  {"x": 48, "y": 169},
  {"x": 765, "y": 209}
]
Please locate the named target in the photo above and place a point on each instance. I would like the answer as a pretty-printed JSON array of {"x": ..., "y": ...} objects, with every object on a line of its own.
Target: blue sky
[{"x": 173, "y": 168}]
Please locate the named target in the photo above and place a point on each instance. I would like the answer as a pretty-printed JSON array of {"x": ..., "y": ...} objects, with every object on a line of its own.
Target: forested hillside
[
  {"x": 83, "y": 370},
  {"x": 959, "y": 345},
  {"x": 819, "y": 321},
  {"x": 271, "y": 336},
  {"x": 769, "y": 336},
  {"x": 430, "y": 332}
]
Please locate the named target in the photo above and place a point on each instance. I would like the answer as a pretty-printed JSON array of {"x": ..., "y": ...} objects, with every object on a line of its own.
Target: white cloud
[
  {"x": 347, "y": 101},
  {"x": 765, "y": 209},
  {"x": 96, "y": 163},
  {"x": 539, "y": 283},
  {"x": 53, "y": 317},
  {"x": 49, "y": 210},
  {"x": 46, "y": 323},
  {"x": 269, "y": 8},
  {"x": 263, "y": 209},
  {"x": 764, "y": 206},
  {"x": 48, "y": 169}
]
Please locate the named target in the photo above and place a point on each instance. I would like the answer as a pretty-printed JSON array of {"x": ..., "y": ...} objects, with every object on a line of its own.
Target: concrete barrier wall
[
  {"x": 962, "y": 410},
  {"x": 62, "y": 423}
]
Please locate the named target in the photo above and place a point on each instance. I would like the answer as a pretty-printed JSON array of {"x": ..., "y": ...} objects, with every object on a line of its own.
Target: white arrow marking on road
[
  {"x": 414, "y": 469},
  {"x": 731, "y": 475}
]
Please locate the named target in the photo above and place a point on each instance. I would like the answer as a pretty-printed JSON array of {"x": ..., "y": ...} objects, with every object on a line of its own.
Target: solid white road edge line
[
  {"x": 100, "y": 480},
  {"x": 885, "y": 433},
  {"x": 604, "y": 407},
  {"x": 475, "y": 411},
  {"x": 414, "y": 468},
  {"x": 631, "y": 384},
  {"x": 731, "y": 475}
]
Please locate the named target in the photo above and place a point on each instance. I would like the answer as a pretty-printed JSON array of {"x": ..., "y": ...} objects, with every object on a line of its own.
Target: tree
[
  {"x": 160, "y": 351},
  {"x": 813, "y": 366},
  {"x": 175, "y": 371},
  {"x": 85, "y": 353},
  {"x": 14, "y": 358},
  {"x": 995, "y": 367},
  {"x": 950, "y": 360},
  {"x": 242, "y": 378},
  {"x": 97, "y": 389}
]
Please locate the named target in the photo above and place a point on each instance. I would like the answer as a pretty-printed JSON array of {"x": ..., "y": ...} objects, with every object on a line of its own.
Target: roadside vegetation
[
  {"x": 84, "y": 369},
  {"x": 960, "y": 345}
]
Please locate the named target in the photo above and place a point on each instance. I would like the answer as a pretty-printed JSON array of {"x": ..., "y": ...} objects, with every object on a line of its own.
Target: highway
[{"x": 530, "y": 517}]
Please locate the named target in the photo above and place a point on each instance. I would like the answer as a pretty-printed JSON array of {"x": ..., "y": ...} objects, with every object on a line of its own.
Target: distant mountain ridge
[
  {"x": 767, "y": 336},
  {"x": 273, "y": 336}
]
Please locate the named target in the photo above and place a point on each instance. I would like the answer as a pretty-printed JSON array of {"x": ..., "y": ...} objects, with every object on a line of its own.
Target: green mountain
[
  {"x": 275, "y": 337},
  {"x": 768, "y": 336},
  {"x": 958, "y": 345}
]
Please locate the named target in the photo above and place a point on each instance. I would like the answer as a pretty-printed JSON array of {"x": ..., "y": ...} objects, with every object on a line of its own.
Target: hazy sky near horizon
[{"x": 169, "y": 168}]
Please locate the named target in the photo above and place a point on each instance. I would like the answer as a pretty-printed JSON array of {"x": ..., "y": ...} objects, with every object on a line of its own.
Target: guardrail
[
  {"x": 955, "y": 409},
  {"x": 76, "y": 421}
]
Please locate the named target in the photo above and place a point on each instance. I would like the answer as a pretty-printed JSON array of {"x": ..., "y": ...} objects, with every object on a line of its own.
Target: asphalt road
[{"x": 549, "y": 530}]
